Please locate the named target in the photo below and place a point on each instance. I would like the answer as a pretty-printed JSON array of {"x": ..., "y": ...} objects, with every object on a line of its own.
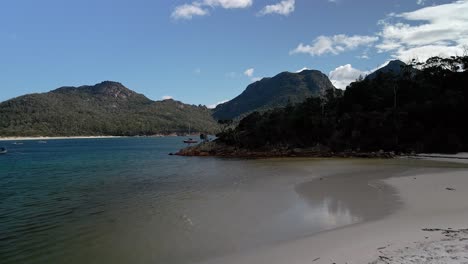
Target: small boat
[
  {"x": 190, "y": 140},
  {"x": 3, "y": 151}
]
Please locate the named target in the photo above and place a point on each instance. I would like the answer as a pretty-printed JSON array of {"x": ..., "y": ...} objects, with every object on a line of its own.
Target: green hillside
[{"x": 108, "y": 108}]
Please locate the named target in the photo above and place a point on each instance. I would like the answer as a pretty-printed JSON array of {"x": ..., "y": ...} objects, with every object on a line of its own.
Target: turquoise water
[{"x": 127, "y": 201}]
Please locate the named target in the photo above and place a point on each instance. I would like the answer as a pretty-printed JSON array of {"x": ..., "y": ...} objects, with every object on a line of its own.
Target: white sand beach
[
  {"x": 52, "y": 138},
  {"x": 457, "y": 158},
  {"x": 430, "y": 227}
]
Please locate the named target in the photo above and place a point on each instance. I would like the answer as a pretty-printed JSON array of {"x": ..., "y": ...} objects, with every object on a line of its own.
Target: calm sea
[{"x": 127, "y": 201}]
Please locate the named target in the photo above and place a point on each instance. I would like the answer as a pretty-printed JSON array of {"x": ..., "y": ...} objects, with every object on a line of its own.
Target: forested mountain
[
  {"x": 107, "y": 108},
  {"x": 285, "y": 88},
  {"x": 422, "y": 111}
]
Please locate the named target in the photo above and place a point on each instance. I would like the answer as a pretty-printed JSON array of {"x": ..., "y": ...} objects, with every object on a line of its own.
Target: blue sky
[{"x": 207, "y": 51}]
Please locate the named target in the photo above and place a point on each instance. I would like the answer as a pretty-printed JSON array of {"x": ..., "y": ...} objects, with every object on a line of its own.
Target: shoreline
[
  {"x": 430, "y": 227},
  {"x": 86, "y": 137},
  {"x": 55, "y": 138},
  {"x": 214, "y": 149}
]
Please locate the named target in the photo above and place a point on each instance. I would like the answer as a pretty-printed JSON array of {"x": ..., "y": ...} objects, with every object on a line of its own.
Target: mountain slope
[
  {"x": 273, "y": 92},
  {"x": 394, "y": 67},
  {"x": 108, "y": 108}
]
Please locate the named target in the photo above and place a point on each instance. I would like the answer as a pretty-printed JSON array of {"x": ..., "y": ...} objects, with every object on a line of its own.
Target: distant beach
[
  {"x": 92, "y": 137},
  {"x": 52, "y": 138}
]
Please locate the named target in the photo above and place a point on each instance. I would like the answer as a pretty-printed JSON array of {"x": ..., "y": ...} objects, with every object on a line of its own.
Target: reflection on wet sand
[{"x": 354, "y": 196}]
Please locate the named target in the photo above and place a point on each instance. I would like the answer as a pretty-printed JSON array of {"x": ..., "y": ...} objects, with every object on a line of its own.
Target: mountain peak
[
  {"x": 112, "y": 89},
  {"x": 277, "y": 91},
  {"x": 393, "y": 67},
  {"x": 396, "y": 62},
  {"x": 105, "y": 88},
  {"x": 309, "y": 71}
]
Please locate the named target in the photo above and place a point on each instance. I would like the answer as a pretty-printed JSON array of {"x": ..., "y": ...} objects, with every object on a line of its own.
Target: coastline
[
  {"x": 94, "y": 137},
  {"x": 85, "y": 137},
  {"x": 215, "y": 149},
  {"x": 55, "y": 138},
  {"x": 429, "y": 228}
]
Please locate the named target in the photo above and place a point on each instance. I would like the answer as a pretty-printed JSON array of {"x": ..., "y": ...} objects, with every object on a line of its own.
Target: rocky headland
[{"x": 217, "y": 149}]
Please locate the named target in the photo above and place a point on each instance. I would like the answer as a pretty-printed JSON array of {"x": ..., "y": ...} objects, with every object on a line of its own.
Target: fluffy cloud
[
  {"x": 229, "y": 3},
  {"x": 334, "y": 44},
  {"x": 284, "y": 8},
  {"x": 212, "y": 106},
  {"x": 420, "y": 2},
  {"x": 425, "y": 52},
  {"x": 344, "y": 75},
  {"x": 167, "y": 97},
  {"x": 249, "y": 72},
  {"x": 439, "y": 30},
  {"x": 430, "y": 31},
  {"x": 188, "y": 11},
  {"x": 303, "y": 69}
]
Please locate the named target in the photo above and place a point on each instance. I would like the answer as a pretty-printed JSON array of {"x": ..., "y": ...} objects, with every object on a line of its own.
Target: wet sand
[{"x": 402, "y": 228}]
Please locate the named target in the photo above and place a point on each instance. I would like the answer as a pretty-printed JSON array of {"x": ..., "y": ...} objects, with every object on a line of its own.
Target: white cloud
[
  {"x": 284, "y": 8},
  {"x": 212, "y": 106},
  {"x": 420, "y": 2},
  {"x": 249, "y": 72},
  {"x": 342, "y": 76},
  {"x": 167, "y": 97},
  {"x": 334, "y": 44},
  {"x": 229, "y": 3},
  {"x": 423, "y": 53},
  {"x": 363, "y": 56},
  {"x": 197, "y": 8},
  {"x": 303, "y": 69},
  {"x": 188, "y": 11},
  {"x": 440, "y": 30}
]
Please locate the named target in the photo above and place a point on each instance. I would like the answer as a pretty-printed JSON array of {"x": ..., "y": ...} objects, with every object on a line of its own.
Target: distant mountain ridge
[
  {"x": 277, "y": 91},
  {"x": 107, "y": 108},
  {"x": 110, "y": 108}
]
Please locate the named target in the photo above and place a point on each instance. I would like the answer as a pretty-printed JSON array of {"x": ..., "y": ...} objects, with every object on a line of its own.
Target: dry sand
[{"x": 418, "y": 232}]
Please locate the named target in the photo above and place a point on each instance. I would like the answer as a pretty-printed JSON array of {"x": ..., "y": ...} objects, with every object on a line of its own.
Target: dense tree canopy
[{"x": 422, "y": 108}]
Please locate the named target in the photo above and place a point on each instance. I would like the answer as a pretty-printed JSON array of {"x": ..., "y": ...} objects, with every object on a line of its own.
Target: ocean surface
[{"x": 125, "y": 200}]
